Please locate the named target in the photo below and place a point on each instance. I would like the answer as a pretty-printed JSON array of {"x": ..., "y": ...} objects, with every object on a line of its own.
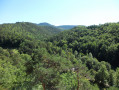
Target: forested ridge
[
  {"x": 36, "y": 57},
  {"x": 25, "y": 30},
  {"x": 102, "y": 41}
]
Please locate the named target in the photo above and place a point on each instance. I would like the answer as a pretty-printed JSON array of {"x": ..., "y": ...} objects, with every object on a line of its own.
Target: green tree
[
  {"x": 102, "y": 76},
  {"x": 112, "y": 78},
  {"x": 117, "y": 77}
]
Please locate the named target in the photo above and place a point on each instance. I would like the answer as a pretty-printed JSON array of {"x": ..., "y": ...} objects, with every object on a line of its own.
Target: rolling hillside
[
  {"x": 15, "y": 33},
  {"x": 101, "y": 41},
  {"x": 42, "y": 57}
]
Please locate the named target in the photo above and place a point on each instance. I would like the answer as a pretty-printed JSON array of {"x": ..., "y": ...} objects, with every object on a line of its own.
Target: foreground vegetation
[{"x": 84, "y": 58}]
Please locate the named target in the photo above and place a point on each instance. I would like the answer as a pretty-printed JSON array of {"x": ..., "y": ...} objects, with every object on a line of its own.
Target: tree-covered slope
[
  {"x": 64, "y": 62},
  {"x": 102, "y": 41},
  {"x": 14, "y": 34}
]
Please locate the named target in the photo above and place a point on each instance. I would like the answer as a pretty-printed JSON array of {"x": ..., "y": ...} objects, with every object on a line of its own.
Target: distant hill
[
  {"x": 14, "y": 34},
  {"x": 45, "y": 24},
  {"x": 66, "y": 27},
  {"x": 61, "y": 27}
]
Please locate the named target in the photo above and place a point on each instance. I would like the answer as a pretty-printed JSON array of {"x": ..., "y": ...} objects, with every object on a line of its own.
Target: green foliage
[
  {"x": 12, "y": 69},
  {"x": 68, "y": 81},
  {"x": 102, "y": 76},
  {"x": 112, "y": 78},
  {"x": 102, "y": 41},
  {"x": 48, "y": 70},
  {"x": 117, "y": 77},
  {"x": 12, "y": 35},
  {"x": 84, "y": 58}
]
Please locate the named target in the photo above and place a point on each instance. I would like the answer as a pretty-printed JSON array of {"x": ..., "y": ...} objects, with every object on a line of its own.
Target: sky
[{"x": 60, "y": 12}]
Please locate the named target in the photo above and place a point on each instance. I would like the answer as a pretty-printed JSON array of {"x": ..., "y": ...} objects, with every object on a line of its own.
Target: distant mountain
[
  {"x": 66, "y": 27},
  {"x": 45, "y": 24},
  {"x": 61, "y": 27}
]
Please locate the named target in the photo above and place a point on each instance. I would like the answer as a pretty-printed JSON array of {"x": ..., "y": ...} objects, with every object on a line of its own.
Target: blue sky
[{"x": 60, "y": 12}]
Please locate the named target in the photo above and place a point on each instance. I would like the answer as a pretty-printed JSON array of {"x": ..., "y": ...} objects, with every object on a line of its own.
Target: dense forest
[{"x": 34, "y": 57}]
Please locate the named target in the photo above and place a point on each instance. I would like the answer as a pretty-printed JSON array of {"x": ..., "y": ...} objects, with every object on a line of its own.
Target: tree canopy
[{"x": 36, "y": 57}]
